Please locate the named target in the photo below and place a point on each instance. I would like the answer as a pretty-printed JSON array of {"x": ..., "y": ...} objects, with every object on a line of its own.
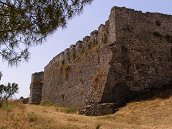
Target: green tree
[
  {"x": 26, "y": 23},
  {"x": 8, "y": 91}
]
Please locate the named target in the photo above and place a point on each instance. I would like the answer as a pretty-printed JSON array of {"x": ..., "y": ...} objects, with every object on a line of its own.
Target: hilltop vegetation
[{"x": 155, "y": 112}]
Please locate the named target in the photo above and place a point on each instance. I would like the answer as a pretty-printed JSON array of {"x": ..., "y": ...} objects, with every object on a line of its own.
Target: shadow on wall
[
  {"x": 124, "y": 95},
  {"x": 164, "y": 92}
]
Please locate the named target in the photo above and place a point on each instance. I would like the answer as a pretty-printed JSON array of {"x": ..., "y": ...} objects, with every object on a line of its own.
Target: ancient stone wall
[
  {"x": 142, "y": 53},
  {"x": 131, "y": 53},
  {"x": 71, "y": 78},
  {"x": 36, "y": 88}
]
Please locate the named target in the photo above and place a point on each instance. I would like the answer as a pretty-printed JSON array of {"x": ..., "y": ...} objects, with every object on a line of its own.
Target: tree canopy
[
  {"x": 26, "y": 23},
  {"x": 7, "y": 91}
]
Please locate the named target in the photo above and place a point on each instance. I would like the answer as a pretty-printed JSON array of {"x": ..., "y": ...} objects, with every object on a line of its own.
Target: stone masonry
[{"x": 131, "y": 53}]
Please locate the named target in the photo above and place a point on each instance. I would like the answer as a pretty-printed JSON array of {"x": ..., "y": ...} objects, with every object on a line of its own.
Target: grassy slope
[{"x": 152, "y": 113}]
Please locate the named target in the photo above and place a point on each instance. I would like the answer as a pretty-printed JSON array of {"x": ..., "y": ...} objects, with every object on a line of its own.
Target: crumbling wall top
[{"x": 37, "y": 77}]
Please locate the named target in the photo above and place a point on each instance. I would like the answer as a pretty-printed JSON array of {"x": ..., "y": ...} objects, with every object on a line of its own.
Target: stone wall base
[{"x": 98, "y": 109}]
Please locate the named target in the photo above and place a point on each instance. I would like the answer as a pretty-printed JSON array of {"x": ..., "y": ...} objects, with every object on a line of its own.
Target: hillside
[{"x": 150, "y": 111}]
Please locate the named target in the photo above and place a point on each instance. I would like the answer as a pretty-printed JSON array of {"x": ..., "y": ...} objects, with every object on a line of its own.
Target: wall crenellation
[
  {"x": 72, "y": 53},
  {"x": 69, "y": 55},
  {"x": 61, "y": 57},
  {"x": 94, "y": 38},
  {"x": 103, "y": 33},
  {"x": 130, "y": 53},
  {"x": 86, "y": 43},
  {"x": 66, "y": 56},
  {"x": 79, "y": 45}
]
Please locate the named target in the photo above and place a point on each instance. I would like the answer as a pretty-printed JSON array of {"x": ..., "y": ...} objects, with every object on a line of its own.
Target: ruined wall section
[
  {"x": 77, "y": 76},
  {"x": 142, "y": 55},
  {"x": 132, "y": 52},
  {"x": 36, "y": 88}
]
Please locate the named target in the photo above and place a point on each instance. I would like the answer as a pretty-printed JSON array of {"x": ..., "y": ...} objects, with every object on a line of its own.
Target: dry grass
[{"x": 154, "y": 113}]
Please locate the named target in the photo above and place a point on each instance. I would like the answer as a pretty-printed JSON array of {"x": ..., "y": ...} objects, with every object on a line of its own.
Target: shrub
[
  {"x": 98, "y": 126},
  {"x": 47, "y": 103},
  {"x": 6, "y": 106},
  {"x": 3, "y": 127},
  {"x": 70, "y": 110},
  {"x": 32, "y": 117}
]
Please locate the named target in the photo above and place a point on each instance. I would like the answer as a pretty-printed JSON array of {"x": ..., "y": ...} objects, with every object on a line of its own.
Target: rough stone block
[{"x": 98, "y": 109}]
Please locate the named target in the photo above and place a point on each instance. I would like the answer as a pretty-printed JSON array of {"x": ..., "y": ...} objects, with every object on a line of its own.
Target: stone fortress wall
[
  {"x": 36, "y": 88},
  {"x": 131, "y": 53},
  {"x": 70, "y": 76},
  {"x": 142, "y": 53}
]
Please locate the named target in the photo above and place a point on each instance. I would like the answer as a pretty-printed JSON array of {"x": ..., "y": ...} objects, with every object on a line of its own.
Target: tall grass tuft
[{"x": 32, "y": 117}]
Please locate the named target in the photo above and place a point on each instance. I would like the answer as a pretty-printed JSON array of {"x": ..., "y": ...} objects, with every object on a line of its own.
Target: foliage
[
  {"x": 8, "y": 91},
  {"x": 47, "y": 103},
  {"x": 32, "y": 117},
  {"x": 6, "y": 107},
  {"x": 3, "y": 127},
  {"x": 70, "y": 110},
  {"x": 98, "y": 126},
  {"x": 26, "y": 23}
]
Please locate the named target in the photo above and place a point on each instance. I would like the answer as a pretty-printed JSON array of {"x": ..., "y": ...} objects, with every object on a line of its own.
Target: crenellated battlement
[
  {"x": 129, "y": 54},
  {"x": 69, "y": 55}
]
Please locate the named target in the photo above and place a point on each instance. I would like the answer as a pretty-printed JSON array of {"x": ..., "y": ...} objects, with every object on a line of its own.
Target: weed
[
  {"x": 32, "y": 117},
  {"x": 70, "y": 110},
  {"x": 3, "y": 127},
  {"x": 65, "y": 128},
  {"x": 98, "y": 126},
  {"x": 7, "y": 107},
  {"x": 47, "y": 103}
]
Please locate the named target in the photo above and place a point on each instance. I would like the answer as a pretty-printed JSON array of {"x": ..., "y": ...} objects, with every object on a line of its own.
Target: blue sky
[{"x": 79, "y": 27}]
